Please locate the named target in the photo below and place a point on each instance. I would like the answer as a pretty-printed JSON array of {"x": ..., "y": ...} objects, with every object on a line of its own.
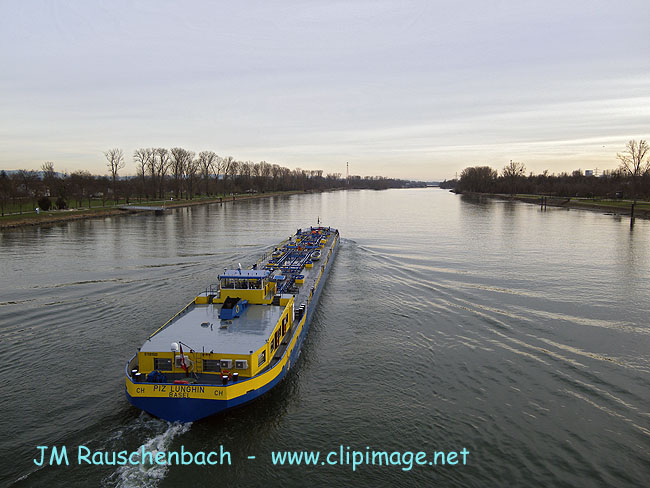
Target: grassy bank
[
  {"x": 54, "y": 216},
  {"x": 618, "y": 207}
]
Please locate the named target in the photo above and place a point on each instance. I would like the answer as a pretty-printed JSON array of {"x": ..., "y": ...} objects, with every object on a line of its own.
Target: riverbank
[
  {"x": 609, "y": 207},
  {"x": 57, "y": 216}
]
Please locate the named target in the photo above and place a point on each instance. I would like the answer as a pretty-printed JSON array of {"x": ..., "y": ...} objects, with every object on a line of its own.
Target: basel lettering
[{"x": 183, "y": 391}]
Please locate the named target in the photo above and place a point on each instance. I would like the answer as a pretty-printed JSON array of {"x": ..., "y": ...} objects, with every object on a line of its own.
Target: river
[{"x": 447, "y": 323}]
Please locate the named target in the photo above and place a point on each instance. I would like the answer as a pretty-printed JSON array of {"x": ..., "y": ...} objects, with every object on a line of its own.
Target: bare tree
[
  {"x": 151, "y": 168},
  {"x": 299, "y": 177},
  {"x": 634, "y": 163},
  {"x": 191, "y": 169},
  {"x": 115, "y": 158},
  {"x": 256, "y": 173},
  {"x": 79, "y": 185},
  {"x": 230, "y": 167},
  {"x": 207, "y": 161},
  {"x": 477, "y": 179},
  {"x": 512, "y": 172},
  {"x": 265, "y": 173},
  {"x": 285, "y": 177},
  {"x": 48, "y": 168},
  {"x": 49, "y": 178},
  {"x": 276, "y": 171},
  {"x": 162, "y": 163},
  {"x": 29, "y": 183},
  {"x": 218, "y": 169},
  {"x": 180, "y": 159},
  {"x": 245, "y": 171},
  {"x": 101, "y": 186},
  {"x": 142, "y": 159},
  {"x": 176, "y": 162}
]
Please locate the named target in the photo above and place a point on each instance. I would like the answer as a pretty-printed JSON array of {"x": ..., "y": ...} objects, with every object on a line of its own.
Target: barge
[{"x": 237, "y": 339}]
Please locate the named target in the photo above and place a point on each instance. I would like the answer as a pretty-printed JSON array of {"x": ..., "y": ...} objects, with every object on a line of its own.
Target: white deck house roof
[{"x": 200, "y": 328}]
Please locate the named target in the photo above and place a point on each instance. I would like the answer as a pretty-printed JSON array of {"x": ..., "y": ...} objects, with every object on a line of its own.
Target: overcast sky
[{"x": 397, "y": 88}]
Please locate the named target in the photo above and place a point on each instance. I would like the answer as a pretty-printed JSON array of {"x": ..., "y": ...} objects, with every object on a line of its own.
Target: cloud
[{"x": 416, "y": 89}]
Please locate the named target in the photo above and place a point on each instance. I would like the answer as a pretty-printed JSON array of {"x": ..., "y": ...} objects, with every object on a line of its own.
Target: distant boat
[{"x": 140, "y": 208}]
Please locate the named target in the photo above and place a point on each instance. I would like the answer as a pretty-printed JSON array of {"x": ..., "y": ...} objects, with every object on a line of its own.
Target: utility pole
[{"x": 347, "y": 173}]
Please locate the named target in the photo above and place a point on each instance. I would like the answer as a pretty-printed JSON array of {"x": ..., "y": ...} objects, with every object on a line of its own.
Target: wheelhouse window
[
  {"x": 211, "y": 365},
  {"x": 250, "y": 279},
  {"x": 228, "y": 284},
  {"x": 162, "y": 364}
]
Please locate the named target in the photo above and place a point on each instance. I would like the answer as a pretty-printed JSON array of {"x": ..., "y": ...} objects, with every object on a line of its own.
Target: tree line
[
  {"x": 161, "y": 174},
  {"x": 631, "y": 179}
]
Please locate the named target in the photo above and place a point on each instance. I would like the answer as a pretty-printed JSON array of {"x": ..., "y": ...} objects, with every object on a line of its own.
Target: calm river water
[{"x": 446, "y": 323}]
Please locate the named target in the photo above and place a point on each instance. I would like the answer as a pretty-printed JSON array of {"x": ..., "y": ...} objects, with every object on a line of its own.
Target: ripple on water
[{"x": 445, "y": 323}]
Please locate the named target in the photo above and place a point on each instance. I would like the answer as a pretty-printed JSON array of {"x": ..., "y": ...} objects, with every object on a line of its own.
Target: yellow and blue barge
[{"x": 237, "y": 339}]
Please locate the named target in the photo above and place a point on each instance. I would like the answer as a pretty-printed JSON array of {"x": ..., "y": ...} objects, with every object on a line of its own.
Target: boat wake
[{"x": 145, "y": 475}]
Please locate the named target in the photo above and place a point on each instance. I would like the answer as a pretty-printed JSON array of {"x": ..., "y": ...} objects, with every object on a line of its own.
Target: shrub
[
  {"x": 61, "y": 204},
  {"x": 44, "y": 203}
]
